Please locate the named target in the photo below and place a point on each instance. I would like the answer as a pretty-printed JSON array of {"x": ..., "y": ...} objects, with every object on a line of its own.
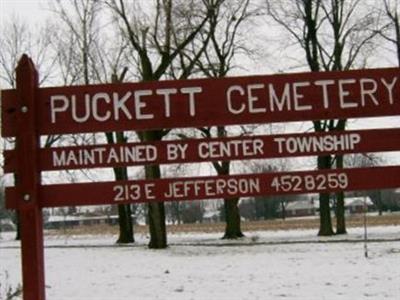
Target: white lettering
[
  {"x": 192, "y": 103},
  {"x": 95, "y": 106},
  {"x": 280, "y": 103},
  {"x": 75, "y": 106},
  {"x": 231, "y": 149},
  {"x": 55, "y": 108},
  {"x": 389, "y": 86},
  {"x": 176, "y": 151},
  {"x": 252, "y": 99},
  {"x": 119, "y": 105},
  {"x": 112, "y": 156},
  {"x": 139, "y": 105},
  {"x": 370, "y": 92},
  {"x": 343, "y": 93},
  {"x": 280, "y": 142},
  {"x": 99, "y": 155},
  {"x": 213, "y": 188},
  {"x": 167, "y": 100},
  {"x": 59, "y": 158},
  {"x": 297, "y": 96},
  {"x": 312, "y": 144},
  {"x": 354, "y": 139},
  {"x": 231, "y": 109},
  {"x": 324, "y": 84},
  {"x": 149, "y": 191}
]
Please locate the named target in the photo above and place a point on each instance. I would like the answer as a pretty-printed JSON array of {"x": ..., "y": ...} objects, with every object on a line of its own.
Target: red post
[{"x": 28, "y": 182}]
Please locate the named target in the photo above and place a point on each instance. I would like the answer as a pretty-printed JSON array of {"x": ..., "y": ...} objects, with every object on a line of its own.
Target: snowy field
[{"x": 265, "y": 265}]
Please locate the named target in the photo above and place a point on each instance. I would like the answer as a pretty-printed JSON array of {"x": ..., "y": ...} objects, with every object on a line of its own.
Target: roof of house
[
  {"x": 68, "y": 218},
  {"x": 314, "y": 204},
  {"x": 209, "y": 214},
  {"x": 300, "y": 205},
  {"x": 357, "y": 201}
]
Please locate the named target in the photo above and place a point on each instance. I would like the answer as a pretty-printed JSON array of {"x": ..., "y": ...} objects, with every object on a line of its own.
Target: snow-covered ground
[{"x": 265, "y": 265}]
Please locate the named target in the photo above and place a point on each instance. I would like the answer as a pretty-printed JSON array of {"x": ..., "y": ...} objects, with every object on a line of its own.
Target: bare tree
[
  {"x": 334, "y": 35},
  {"x": 16, "y": 39},
  {"x": 157, "y": 39},
  {"x": 85, "y": 55},
  {"x": 81, "y": 42},
  {"x": 218, "y": 59},
  {"x": 392, "y": 34}
]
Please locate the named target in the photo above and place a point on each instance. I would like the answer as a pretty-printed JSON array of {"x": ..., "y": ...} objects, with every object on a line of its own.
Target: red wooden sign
[
  {"x": 198, "y": 150},
  {"x": 28, "y": 176},
  {"x": 215, "y": 187},
  {"x": 206, "y": 102},
  {"x": 30, "y": 111}
]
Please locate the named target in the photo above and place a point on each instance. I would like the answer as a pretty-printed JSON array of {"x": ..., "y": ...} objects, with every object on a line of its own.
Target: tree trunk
[
  {"x": 397, "y": 30},
  {"x": 232, "y": 217},
  {"x": 18, "y": 234},
  {"x": 124, "y": 213},
  {"x": 325, "y": 226},
  {"x": 340, "y": 210},
  {"x": 124, "y": 210},
  {"x": 340, "y": 216},
  {"x": 158, "y": 235},
  {"x": 125, "y": 224},
  {"x": 156, "y": 213},
  {"x": 231, "y": 208}
]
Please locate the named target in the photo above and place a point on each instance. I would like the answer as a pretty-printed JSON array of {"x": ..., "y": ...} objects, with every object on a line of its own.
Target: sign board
[
  {"x": 200, "y": 150},
  {"x": 209, "y": 102},
  {"x": 29, "y": 112},
  {"x": 215, "y": 187}
]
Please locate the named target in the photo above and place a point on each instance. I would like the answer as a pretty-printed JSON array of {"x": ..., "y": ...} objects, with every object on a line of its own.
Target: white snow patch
[{"x": 266, "y": 265}]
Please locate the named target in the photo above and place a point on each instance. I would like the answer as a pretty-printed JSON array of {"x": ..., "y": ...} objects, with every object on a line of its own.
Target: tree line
[{"x": 111, "y": 41}]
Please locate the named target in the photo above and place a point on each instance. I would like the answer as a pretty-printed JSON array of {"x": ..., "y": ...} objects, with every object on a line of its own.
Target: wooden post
[
  {"x": 28, "y": 181},
  {"x": 365, "y": 210}
]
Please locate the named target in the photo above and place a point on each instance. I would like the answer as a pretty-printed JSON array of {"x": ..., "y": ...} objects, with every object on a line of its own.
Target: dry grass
[{"x": 296, "y": 223}]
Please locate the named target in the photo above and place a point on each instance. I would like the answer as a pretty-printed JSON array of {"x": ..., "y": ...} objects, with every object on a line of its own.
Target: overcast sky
[{"x": 29, "y": 10}]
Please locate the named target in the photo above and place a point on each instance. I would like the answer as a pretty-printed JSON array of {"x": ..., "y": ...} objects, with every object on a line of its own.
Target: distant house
[
  {"x": 355, "y": 205},
  {"x": 211, "y": 216},
  {"x": 7, "y": 225},
  {"x": 301, "y": 208},
  {"x": 57, "y": 222},
  {"x": 310, "y": 207},
  {"x": 397, "y": 195}
]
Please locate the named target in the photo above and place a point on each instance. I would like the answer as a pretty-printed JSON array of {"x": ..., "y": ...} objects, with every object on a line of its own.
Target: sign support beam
[{"x": 28, "y": 181}]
